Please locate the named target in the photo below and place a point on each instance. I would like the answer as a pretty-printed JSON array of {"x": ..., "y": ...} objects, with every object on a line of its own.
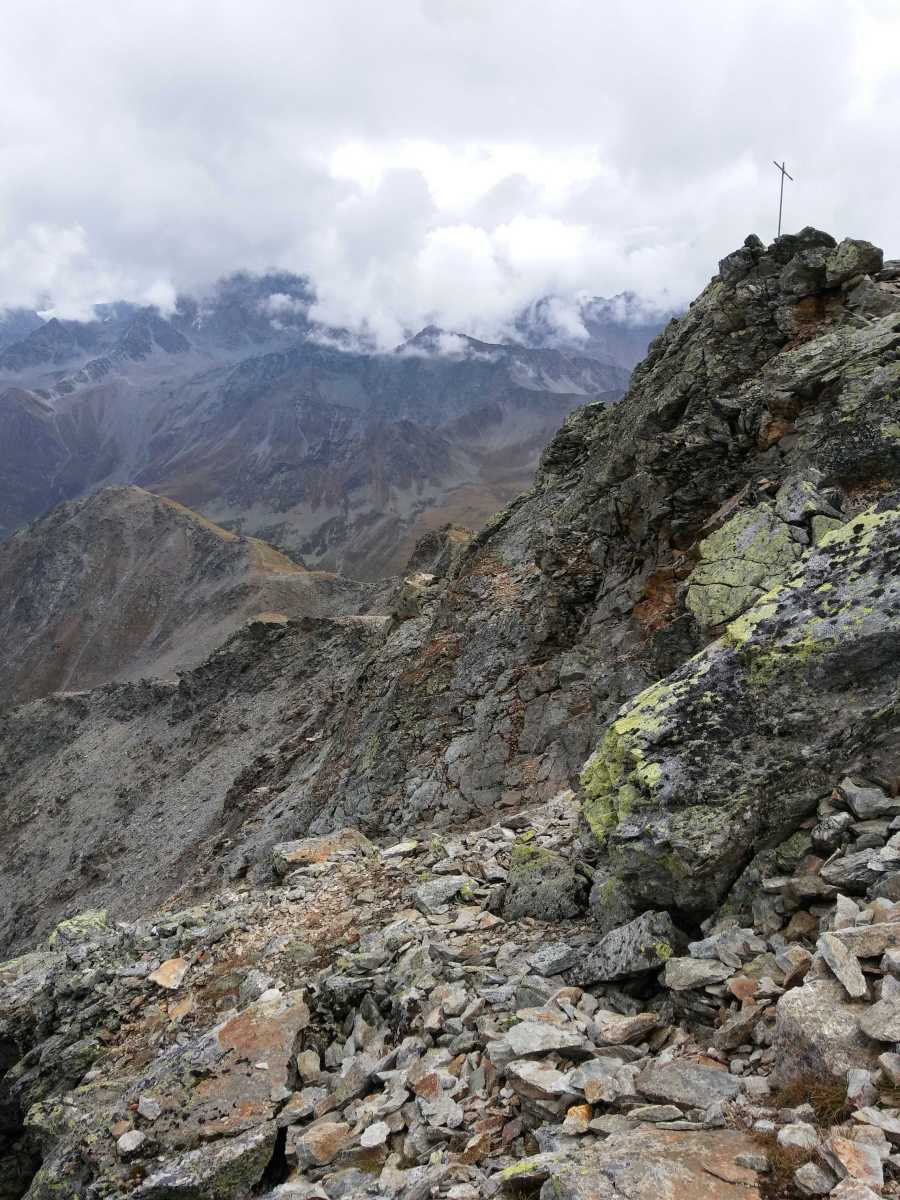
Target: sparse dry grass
[
  {"x": 778, "y": 1182},
  {"x": 826, "y": 1094}
]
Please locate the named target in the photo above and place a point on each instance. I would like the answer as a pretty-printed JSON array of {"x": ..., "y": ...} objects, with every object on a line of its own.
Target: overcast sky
[{"x": 433, "y": 159}]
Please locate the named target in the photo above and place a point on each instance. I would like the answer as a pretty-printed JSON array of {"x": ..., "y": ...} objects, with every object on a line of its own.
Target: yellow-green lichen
[
  {"x": 749, "y": 555},
  {"x": 526, "y": 856}
]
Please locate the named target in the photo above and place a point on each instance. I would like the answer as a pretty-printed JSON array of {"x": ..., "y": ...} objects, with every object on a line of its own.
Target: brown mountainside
[{"x": 125, "y": 584}]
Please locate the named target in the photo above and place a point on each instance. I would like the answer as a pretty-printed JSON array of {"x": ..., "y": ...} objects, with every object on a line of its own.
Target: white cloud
[{"x": 432, "y": 160}]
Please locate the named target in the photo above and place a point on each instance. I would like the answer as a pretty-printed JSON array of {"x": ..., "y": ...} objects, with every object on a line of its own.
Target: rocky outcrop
[
  {"x": 395, "y": 957},
  {"x": 491, "y": 682},
  {"x": 732, "y": 751}
]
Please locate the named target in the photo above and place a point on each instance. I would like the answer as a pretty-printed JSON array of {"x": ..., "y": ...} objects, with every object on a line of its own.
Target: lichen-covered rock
[
  {"x": 852, "y": 257},
  {"x": 731, "y": 752},
  {"x": 226, "y": 1170},
  {"x": 82, "y": 928},
  {"x": 644, "y": 944},
  {"x": 750, "y": 554},
  {"x": 543, "y": 884}
]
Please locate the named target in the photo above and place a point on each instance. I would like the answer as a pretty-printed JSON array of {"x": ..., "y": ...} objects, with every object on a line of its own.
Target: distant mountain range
[{"x": 240, "y": 406}]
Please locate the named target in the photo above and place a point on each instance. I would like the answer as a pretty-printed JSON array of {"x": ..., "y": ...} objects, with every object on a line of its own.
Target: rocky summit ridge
[{"x": 567, "y": 869}]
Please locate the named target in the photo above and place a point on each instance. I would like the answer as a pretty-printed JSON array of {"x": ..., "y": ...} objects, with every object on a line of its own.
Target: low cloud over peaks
[{"x": 431, "y": 160}]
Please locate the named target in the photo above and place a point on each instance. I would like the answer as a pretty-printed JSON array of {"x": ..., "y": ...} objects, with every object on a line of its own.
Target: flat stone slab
[
  {"x": 683, "y": 973},
  {"x": 654, "y": 1163},
  {"x": 287, "y": 856},
  {"x": 870, "y": 941},
  {"x": 687, "y": 1083},
  {"x": 882, "y": 1021}
]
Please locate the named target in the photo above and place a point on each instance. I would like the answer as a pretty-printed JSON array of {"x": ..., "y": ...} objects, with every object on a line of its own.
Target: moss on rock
[{"x": 728, "y": 754}]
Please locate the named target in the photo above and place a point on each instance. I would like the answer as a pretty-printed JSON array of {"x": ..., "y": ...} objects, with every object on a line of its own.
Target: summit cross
[{"x": 781, "y": 168}]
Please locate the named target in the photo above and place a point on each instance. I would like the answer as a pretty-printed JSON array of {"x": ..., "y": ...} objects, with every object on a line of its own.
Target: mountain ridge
[
  {"x": 571, "y": 863},
  {"x": 125, "y": 583}
]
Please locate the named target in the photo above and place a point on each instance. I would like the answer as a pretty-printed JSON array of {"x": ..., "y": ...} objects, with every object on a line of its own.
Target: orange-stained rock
[
  {"x": 170, "y": 974},
  {"x": 286, "y": 856}
]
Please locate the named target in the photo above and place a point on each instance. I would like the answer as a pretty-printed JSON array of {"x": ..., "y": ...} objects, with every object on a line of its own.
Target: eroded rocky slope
[
  {"x": 125, "y": 584},
  {"x": 639, "y": 740}
]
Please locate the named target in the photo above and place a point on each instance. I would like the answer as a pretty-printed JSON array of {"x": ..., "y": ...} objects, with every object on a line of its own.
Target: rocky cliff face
[{"x": 639, "y": 739}]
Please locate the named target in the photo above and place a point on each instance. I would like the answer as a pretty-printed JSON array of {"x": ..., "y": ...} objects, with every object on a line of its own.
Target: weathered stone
[
  {"x": 878, "y": 1118},
  {"x": 730, "y": 946},
  {"x": 542, "y": 884},
  {"x": 686, "y": 1083},
  {"x": 535, "y": 1037},
  {"x": 852, "y": 1189},
  {"x": 149, "y": 1108},
  {"x": 288, "y": 856},
  {"x": 683, "y": 973},
  {"x": 870, "y": 941},
  {"x": 817, "y": 1032},
  {"x": 170, "y": 974},
  {"x": 867, "y": 802},
  {"x": 655, "y": 1162},
  {"x": 798, "y": 1136},
  {"x": 644, "y": 944},
  {"x": 814, "y": 1180},
  {"x": 317, "y": 1145},
  {"x": 577, "y": 1120},
  {"x": 375, "y": 1135},
  {"x": 554, "y": 958},
  {"x": 738, "y": 1028},
  {"x": 130, "y": 1143},
  {"x": 435, "y": 893},
  {"x": 882, "y": 1021},
  {"x": 843, "y": 964},
  {"x": 852, "y": 257},
  {"x": 794, "y": 962},
  {"x": 861, "y": 1090},
  {"x": 602, "y": 1079},
  {"x": 854, "y": 1160},
  {"x": 611, "y": 1029},
  {"x": 537, "y": 1080},
  {"x": 221, "y": 1171}
]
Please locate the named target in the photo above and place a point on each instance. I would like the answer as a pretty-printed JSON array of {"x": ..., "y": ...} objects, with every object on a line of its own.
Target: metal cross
[{"x": 780, "y": 167}]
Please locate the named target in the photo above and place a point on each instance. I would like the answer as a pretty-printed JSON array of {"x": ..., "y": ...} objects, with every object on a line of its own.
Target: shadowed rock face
[{"x": 126, "y": 584}]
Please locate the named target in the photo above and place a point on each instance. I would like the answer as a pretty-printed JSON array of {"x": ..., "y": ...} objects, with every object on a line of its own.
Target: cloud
[{"x": 432, "y": 160}]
